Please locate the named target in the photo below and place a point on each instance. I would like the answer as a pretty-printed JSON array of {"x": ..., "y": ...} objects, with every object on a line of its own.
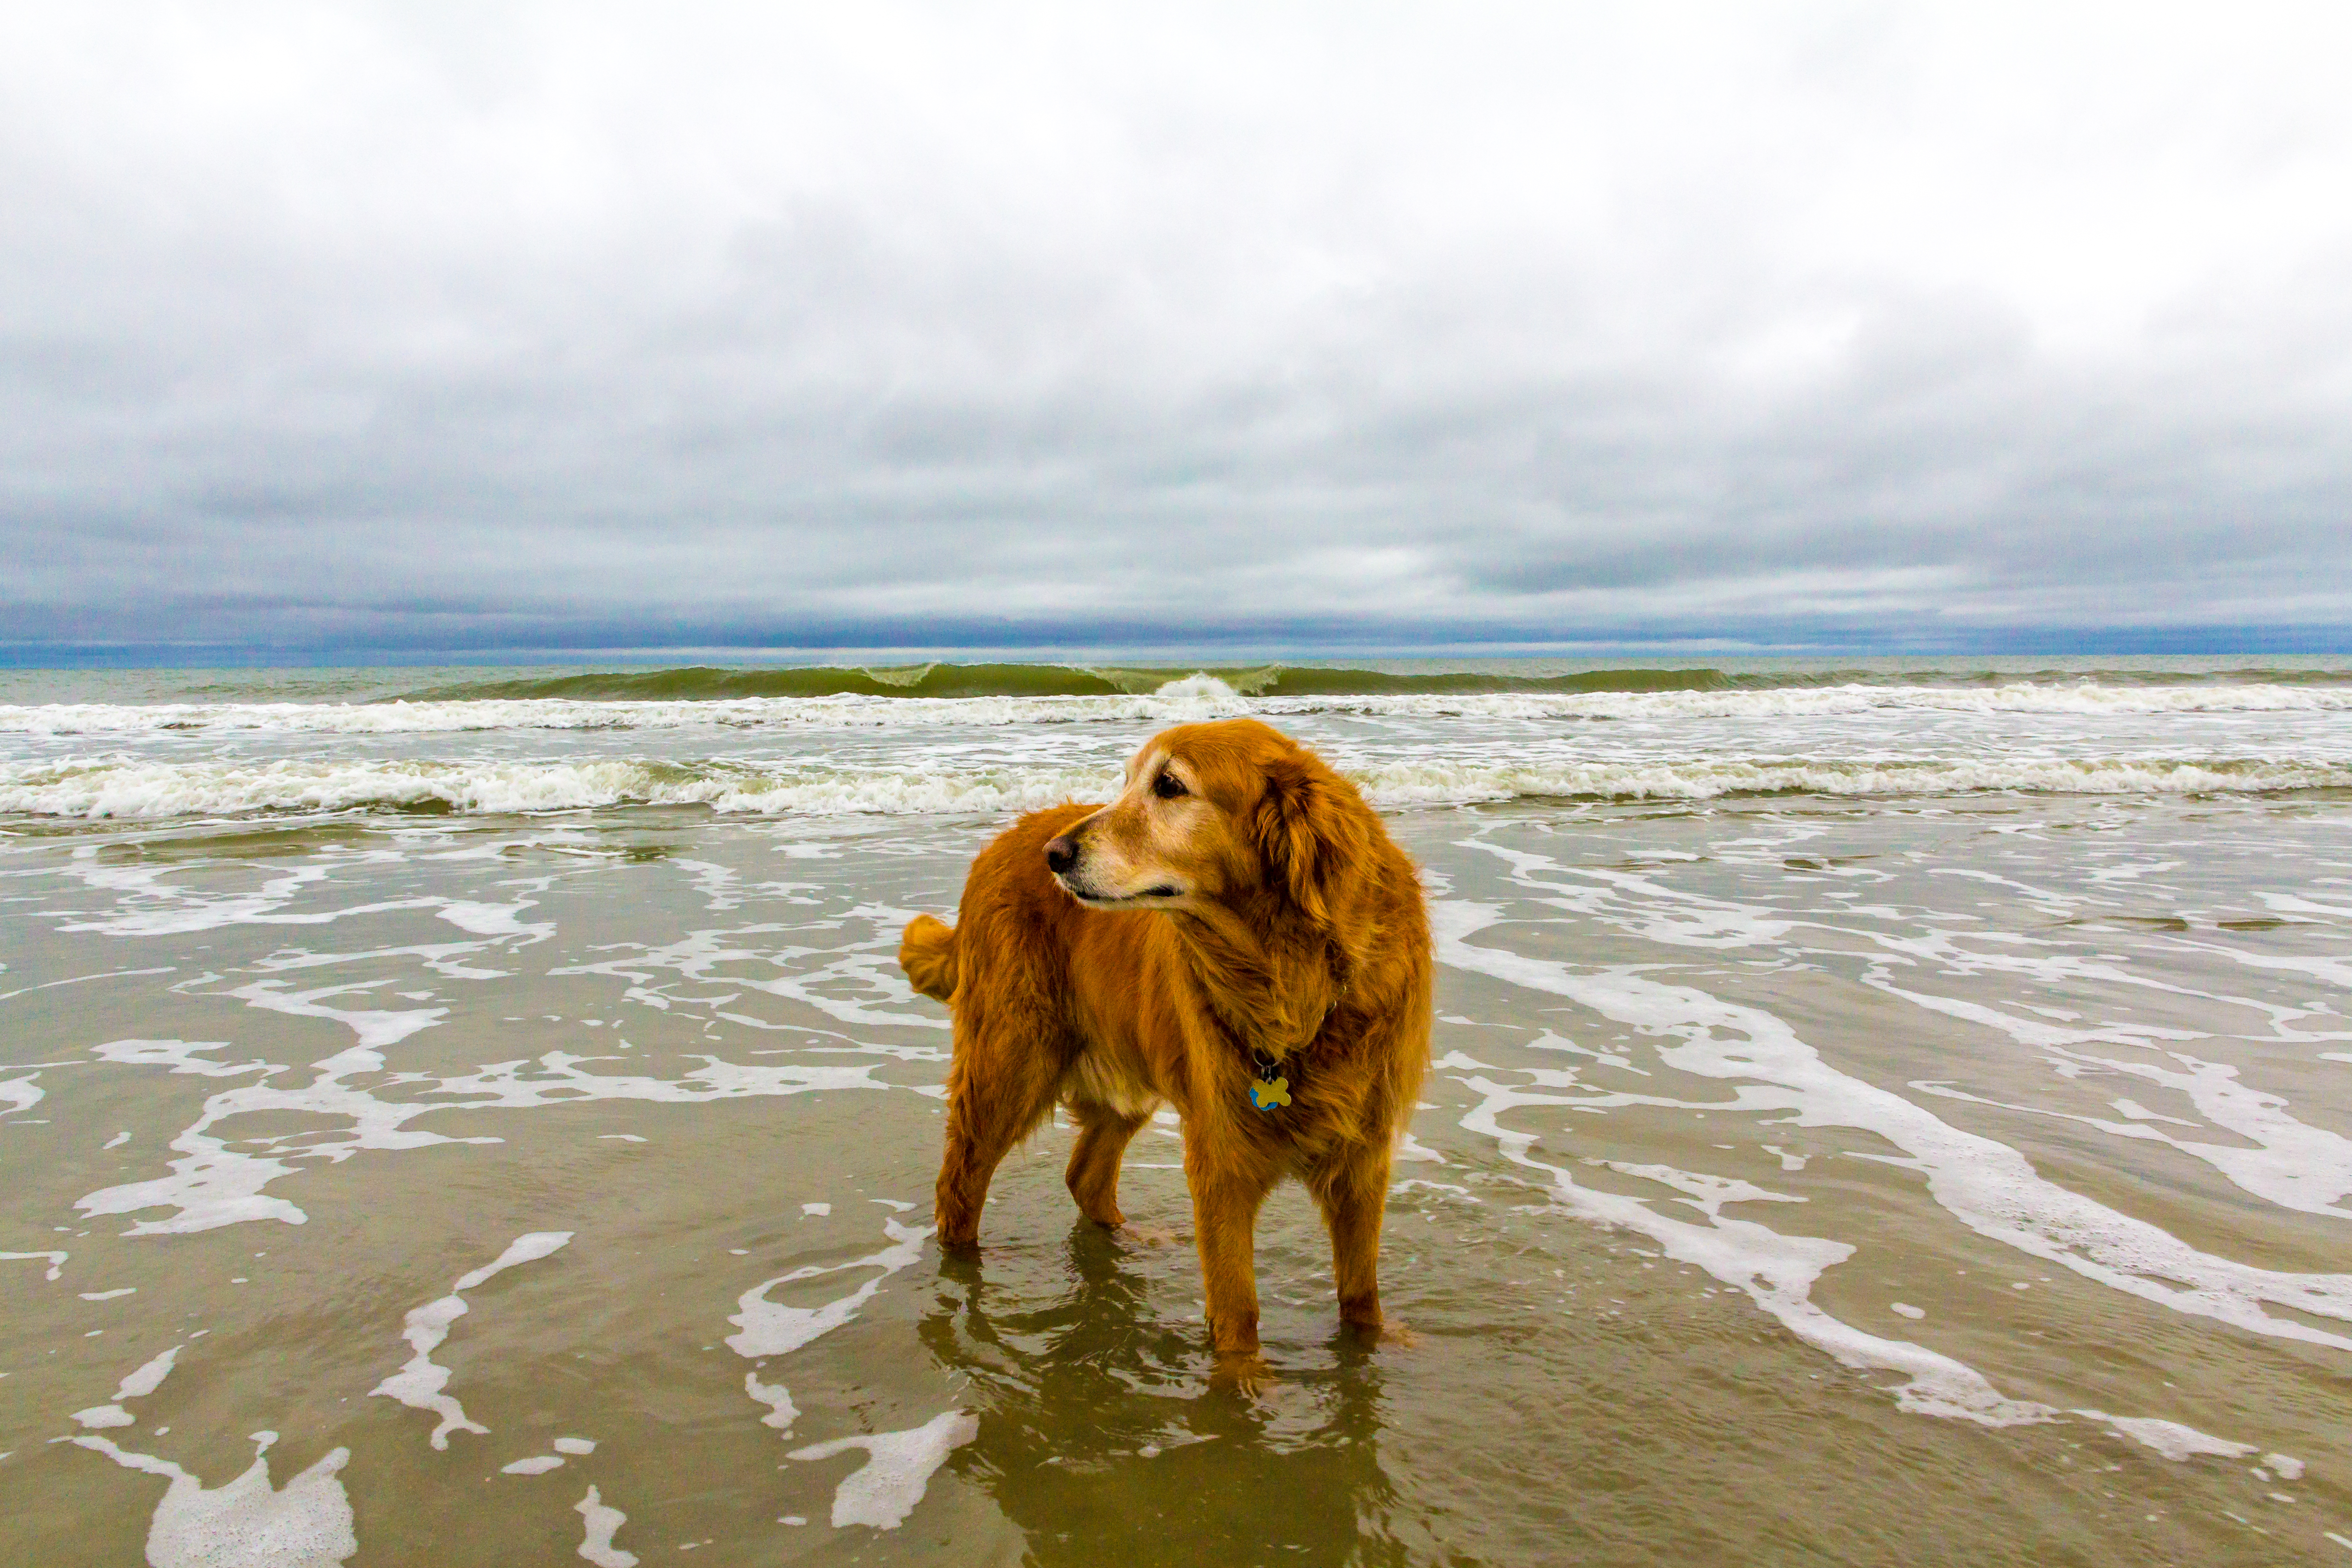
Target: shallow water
[{"x": 1892, "y": 1175}]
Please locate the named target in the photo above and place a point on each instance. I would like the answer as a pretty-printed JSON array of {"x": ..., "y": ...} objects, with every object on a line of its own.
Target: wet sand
[{"x": 1801, "y": 1181}]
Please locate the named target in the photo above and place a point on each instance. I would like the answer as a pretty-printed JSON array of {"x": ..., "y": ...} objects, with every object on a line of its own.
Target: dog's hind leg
[
  {"x": 995, "y": 1098},
  {"x": 979, "y": 1137},
  {"x": 1093, "y": 1175},
  {"x": 1352, "y": 1191}
]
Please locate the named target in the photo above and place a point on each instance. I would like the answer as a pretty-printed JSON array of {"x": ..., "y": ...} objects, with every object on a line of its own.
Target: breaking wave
[{"x": 707, "y": 683}]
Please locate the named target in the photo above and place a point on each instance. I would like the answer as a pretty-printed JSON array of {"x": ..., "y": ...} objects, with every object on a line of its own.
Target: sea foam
[{"x": 134, "y": 789}]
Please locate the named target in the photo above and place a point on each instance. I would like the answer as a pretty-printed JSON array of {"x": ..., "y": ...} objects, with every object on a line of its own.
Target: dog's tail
[{"x": 928, "y": 954}]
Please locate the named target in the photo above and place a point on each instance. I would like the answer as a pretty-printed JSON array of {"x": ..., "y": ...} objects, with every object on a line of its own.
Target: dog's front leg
[
  {"x": 1352, "y": 1191},
  {"x": 1227, "y": 1193}
]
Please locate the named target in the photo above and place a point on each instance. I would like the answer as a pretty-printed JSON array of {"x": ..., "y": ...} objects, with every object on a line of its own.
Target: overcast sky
[{"x": 338, "y": 326}]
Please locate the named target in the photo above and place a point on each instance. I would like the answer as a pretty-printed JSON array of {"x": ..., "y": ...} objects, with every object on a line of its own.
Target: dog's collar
[{"x": 1269, "y": 1087}]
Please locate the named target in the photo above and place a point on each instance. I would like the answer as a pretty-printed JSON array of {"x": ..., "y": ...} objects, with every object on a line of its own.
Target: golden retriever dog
[{"x": 1235, "y": 936}]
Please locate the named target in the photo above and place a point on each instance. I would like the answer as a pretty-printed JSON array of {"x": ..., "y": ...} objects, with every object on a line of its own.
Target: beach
[{"x": 1891, "y": 1111}]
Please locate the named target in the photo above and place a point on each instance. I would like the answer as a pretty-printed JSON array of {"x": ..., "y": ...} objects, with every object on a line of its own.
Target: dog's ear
[{"x": 1310, "y": 834}]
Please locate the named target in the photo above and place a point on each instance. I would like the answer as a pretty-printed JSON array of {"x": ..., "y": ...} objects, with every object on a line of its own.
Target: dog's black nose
[{"x": 1061, "y": 854}]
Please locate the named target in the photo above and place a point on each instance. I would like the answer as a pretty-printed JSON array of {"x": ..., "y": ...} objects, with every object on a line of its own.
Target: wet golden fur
[{"x": 1238, "y": 895}]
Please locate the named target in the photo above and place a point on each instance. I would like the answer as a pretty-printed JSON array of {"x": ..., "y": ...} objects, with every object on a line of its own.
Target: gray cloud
[{"x": 378, "y": 327}]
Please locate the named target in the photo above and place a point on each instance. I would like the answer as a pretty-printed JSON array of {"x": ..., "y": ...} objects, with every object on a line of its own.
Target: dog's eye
[{"x": 1167, "y": 787}]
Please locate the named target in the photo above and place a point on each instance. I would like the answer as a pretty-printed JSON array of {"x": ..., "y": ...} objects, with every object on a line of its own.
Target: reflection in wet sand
[{"x": 1099, "y": 1437}]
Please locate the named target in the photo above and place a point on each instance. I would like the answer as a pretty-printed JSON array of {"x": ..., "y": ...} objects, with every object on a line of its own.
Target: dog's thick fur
[{"x": 1237, "y": 898}]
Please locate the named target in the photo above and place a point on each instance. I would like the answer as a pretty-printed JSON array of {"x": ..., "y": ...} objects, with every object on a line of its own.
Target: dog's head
[{"x": 1224, "y": 813}]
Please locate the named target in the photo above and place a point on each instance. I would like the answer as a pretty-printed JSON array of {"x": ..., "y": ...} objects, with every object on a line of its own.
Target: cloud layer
[{"x": 377, "y": 327}]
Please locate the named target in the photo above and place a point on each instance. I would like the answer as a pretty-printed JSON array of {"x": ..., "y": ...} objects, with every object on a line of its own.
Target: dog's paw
[{"x": 1388, "y": 1334}]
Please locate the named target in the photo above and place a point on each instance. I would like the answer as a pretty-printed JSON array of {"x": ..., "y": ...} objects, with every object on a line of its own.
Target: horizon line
[{"x": 218, "y": 656}]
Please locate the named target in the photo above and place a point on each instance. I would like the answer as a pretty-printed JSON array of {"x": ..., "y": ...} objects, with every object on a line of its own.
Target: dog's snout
[{"x": 1061, "y": 854}]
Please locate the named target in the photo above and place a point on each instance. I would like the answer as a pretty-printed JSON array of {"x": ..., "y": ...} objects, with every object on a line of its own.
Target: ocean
[{"x": 1884, "y": 1111}]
